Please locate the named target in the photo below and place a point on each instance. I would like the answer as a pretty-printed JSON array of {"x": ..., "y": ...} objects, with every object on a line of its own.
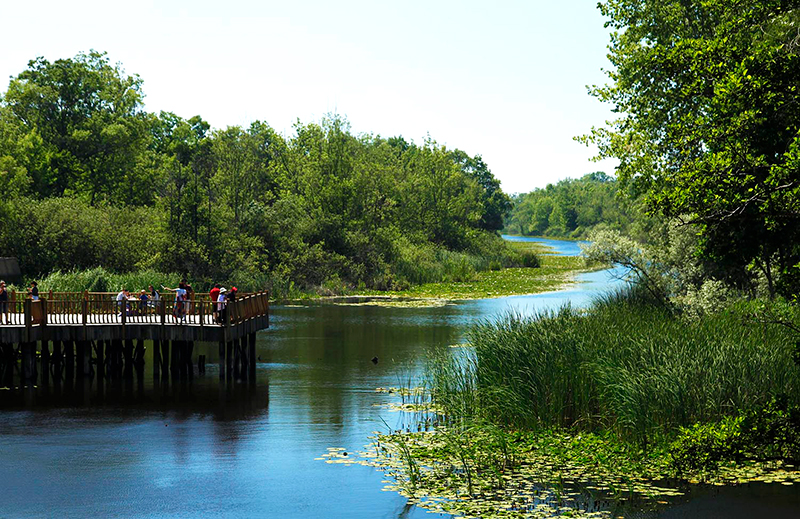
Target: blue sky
[{"x": 504, "y": 79}]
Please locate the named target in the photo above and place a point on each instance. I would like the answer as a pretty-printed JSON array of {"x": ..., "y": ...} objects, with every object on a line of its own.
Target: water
[
  {"x": 562, "y": 247},
  {"x": 208, "y": 450}
]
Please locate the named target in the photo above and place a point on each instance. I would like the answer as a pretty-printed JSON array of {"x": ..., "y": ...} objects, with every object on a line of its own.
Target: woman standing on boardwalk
[{"x": 179, "y": 309}]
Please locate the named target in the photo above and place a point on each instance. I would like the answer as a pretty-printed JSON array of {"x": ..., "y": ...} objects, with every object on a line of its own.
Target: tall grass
[
  {"x": 419, "y": 263},
  {"x": 625, "y": 364},
  {"x": 99, "y": 279}
]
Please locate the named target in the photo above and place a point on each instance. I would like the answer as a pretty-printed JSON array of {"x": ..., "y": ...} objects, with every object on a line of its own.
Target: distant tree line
[
  {"x": 571, "y": 208},
  {"x": 89, "y": 178}
]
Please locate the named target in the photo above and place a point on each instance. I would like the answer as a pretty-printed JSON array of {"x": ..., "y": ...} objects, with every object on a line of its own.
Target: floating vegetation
[
  {"x": 403, "y": 391},
  {"x": 485, "y": 472}
]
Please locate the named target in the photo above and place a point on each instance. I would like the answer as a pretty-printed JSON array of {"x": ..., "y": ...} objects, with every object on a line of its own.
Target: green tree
[
  {"x": 85, "y": 117},
  {"x": 710, "y": 125}
]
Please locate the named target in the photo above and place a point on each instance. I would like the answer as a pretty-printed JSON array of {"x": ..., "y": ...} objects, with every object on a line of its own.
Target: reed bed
[{"x": 624, "y": 365}]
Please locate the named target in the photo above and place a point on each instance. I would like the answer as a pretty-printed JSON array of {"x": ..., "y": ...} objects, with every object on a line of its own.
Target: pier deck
[{"x": 93, "y": 334}]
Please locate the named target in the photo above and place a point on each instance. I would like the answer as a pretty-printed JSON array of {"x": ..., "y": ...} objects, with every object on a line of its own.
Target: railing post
[
  {"x": 84, "y": 311},
  {"x": 26, "y": 307},
  {"x": 162, "y": 310},
  {"x": 201, "y": 312}
]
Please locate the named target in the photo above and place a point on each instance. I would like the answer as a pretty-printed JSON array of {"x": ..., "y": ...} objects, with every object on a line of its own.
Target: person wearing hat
[{"x": 222, "y": 305}]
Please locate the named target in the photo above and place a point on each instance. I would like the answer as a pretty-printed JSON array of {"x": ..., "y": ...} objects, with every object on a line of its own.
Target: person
[
  {"x": 34, "y": 291},
  {"x": 179, "y": 309},
  {"x": 122, "y": 300},
  {"x": 143, "y": 301},
  {"x": 3, "y": 302},
  {"x": 189, "y": 296},
  {"x": 155, "y": 297},
  {"x": 214, "y": 295},
  {"x": 222, "y": 306}
]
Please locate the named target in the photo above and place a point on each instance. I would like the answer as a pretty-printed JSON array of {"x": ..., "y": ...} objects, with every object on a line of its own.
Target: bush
[{"x": 771, "y": 432}]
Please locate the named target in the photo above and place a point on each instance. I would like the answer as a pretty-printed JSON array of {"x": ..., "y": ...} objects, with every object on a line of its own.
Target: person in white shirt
[
  {"x": 222, "y": 303},
  {"x": 122, "y": 300}
]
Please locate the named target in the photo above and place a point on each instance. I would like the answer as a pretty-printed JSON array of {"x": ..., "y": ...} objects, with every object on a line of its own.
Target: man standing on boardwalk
[{"x": 214, "y": 295}]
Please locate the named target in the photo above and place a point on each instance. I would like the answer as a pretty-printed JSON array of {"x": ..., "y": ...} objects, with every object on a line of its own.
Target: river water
[{"x": 205, "y": 449}]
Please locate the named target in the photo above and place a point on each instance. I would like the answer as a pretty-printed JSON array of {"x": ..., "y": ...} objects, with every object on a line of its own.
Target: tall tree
[
  {"x": 88, "y": 116},
  {"x": 710, "y": 124}
]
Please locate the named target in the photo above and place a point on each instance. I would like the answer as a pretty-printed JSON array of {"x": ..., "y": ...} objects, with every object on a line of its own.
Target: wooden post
[
  {"x": 101, "y": 367},
  {"x": 58, "y": 361},
  {"x": 110, "y": 362},
  {"x": 175, "y": 359},
  {"x": 237, "y": 359},
  {"x": 221, "y": 359},
  {"x": 165, "y": 357},
  {"x": 156, "y": 357},
  {"x": 229, "y": 359},
  {"x": 26, "y": 305},
  {"x": 252, "y": 356},
  {"x": 127, "y": 352},
  {"x": 45, "y": 362},
  {"x": 138, "y": 358},
  {"x": 28, "y": 350},
  {"x": 189, "y": 350},
  {"x": 80, "y": 359},
  {"x": 69, "y": 360},
  {"x": 116, "y": 358}
]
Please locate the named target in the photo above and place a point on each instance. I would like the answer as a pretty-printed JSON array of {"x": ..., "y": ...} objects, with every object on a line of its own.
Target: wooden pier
[{"x": 83, "y": 334}]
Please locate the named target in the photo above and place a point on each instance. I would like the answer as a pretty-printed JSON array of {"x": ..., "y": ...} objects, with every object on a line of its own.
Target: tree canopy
[
  {"x": 90, "y": 178},
  {"x": 709, "y": 125}
]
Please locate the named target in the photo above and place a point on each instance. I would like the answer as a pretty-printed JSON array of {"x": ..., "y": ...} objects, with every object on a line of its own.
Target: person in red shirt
[{"x": 214, "y": 294}]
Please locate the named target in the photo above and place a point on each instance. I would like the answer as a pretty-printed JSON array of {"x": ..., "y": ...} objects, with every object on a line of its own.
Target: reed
[{"x": 625, "y": 365}]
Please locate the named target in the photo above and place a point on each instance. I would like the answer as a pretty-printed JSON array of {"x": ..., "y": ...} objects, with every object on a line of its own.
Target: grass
[
  {"x": 624, "y": 366},
  {"x": 554, "y": 273}
]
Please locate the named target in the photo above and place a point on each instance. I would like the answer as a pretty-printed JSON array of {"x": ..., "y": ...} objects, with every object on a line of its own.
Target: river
[{"x": 205, "y": 449}]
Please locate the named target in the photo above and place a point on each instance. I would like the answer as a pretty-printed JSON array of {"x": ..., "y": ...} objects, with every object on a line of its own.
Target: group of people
[
  {"x": 221, "y": 295},
  {"x": 33, "y": 293},
  {"x": 184, "y": 295},
  {"x": 138, "y": 303},
  {"x": 131, "y": 304}
]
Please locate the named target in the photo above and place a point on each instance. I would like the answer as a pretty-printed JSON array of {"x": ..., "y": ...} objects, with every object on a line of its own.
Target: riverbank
[
  {"x": 546, "y": 271},
  {"x": 555, "y": 272},
  {"x": 487, "y": 472},
  {"x": 588, "y": 413}
]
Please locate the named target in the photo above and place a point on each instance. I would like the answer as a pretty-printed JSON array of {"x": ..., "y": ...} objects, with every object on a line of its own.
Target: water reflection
[{"x": 145, "y": 448}]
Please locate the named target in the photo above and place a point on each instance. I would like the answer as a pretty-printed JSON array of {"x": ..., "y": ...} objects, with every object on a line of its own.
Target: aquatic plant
[{"x": 624, "y": 365}]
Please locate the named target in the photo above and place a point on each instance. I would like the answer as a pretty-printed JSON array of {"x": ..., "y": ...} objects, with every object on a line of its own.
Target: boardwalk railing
[{"x": 88, "y": 308}]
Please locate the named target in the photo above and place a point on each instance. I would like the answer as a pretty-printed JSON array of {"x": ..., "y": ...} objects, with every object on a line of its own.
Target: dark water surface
[{"x": 205, "y": 449}]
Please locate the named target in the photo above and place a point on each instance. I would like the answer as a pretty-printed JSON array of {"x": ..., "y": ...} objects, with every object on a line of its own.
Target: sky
[{"x": 504, "y": 79}]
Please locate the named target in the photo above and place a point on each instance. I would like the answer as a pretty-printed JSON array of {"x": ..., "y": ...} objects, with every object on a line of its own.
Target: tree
[
  {"x": 496, "y": 204},
  {"x": 86, "y": 115},
  {"x": 710, "y": 125}
]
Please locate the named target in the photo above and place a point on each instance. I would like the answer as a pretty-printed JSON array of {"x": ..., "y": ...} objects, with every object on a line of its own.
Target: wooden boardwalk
[{"x": 93, "y": 334}]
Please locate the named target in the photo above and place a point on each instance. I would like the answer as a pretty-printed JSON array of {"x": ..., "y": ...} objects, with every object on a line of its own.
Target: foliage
[
  {"x": 709, "y": 125},
  {"x": 572, "y": 208},
  {"x": 88, "y": 178},
  {"x": 771, "y": 432},
  {"x": 625, "y": 365}
]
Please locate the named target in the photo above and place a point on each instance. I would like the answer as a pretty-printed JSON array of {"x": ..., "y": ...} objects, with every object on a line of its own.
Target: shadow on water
[{"x": 221, "y": 399}]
